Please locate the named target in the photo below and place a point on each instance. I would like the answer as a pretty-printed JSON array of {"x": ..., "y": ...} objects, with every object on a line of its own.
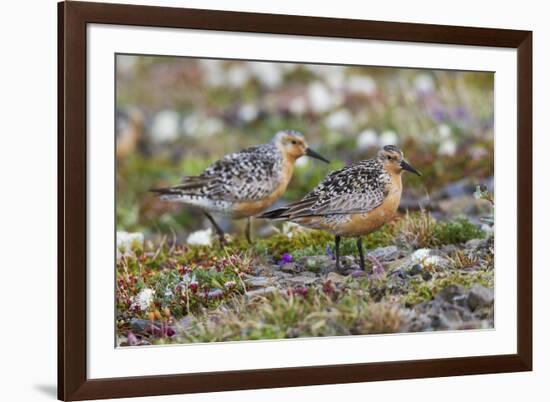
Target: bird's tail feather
[
  {"x": 190, "y": 186},
  {"x": 279, "y": 213}
]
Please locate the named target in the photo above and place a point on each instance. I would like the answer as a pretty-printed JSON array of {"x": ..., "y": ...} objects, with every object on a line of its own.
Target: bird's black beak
[
  {"x": 313, "y": 154},
  {"x": 406, "y": 166}
]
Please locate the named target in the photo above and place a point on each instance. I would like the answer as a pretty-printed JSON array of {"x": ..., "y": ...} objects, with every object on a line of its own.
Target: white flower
[
  {"x": 367, "y": 139},
  {"x": 213, "y": 72},
  {"x": 477, "y": 153},
  {"x": 444, "y": 131},
  {"x": 165, "y": 126},
  {"x": 434, "y": 260},
  {"x": 361, "y": 84},
  {"x": 301, "y": 162},
  {"x": 339, "y": 120},
  {"x": 388, "y": 138},
  {"x": 237, "y": 76},
  {"x": 424, "y": 83},
  {"x": 200, "y": 238},
  {"x": 200, "y": 126},
  {"x": 420, "y": 255},
  {"x": 248, "y": 112},
  {"x": 269, "y": 74},
  {"x": 144, "y": 299},
  {"x": 320, "y": 97},
  {"x": 335, "y": 78},
  {"x": 211, "y": 126},
  {"x": 127, "y": 240},
  {"x": 289, "y": 228},
  {"x": 447, "y": 147},
  {"x": 297, "y": 105}
]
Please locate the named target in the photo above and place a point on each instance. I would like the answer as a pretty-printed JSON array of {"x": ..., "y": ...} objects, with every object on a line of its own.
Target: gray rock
[
  {"x": 474, "y": 243},
  {"x": 335, "y": 278},
  {"x": 416, "y": 269},
  {"x": 257, "y": 282},
  {"x": 358, "y": 273},
  {"x": 451, "y": 293},
  {"x": 449, "y": 249},
  {"x": 290, "y": 267},
  {"x": 398, "y": 272},
  {"x": 303, "y": 279},
  {"x": 426, "y": 275},
  {"x": 479, "y": 297},
  {"x": 389, "y": 253},
  {"x": 261, "y": 292}
]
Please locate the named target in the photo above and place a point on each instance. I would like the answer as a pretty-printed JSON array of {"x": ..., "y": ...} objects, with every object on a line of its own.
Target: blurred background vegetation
[{"x": 176, "y": 115}]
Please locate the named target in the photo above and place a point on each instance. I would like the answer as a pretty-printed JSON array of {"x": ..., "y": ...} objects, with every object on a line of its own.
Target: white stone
[{"x": 200, "y": 238}]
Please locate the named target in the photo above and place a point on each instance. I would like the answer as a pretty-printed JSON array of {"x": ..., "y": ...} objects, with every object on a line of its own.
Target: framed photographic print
[{"x": 252, "y": 200}]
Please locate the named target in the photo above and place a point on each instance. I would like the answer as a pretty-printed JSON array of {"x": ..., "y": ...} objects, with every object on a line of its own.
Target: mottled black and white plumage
[
  {"x": 248, "y": 175},
  {"x": 358, "y": 188}
]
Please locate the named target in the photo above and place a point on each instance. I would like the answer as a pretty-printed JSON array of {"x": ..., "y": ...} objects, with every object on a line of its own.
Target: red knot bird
[
  {"x": 244, "y": 183},
  {"x": 352, "y": 201}
]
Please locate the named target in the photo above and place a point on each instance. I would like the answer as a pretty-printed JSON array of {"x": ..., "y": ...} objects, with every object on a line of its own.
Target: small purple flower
[
  {"x": 330, "y": 253},
  {"x": 439, "y": 115},
  {"x": 285, "y": 259},
  {"x": 461, "y": 113}
]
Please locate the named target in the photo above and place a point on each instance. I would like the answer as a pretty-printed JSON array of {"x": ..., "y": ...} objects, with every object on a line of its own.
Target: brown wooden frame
[{"x": 73, "y": 17}]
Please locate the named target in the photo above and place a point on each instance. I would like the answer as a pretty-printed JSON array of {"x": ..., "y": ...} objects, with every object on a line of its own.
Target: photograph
[{"x": 269, "y": 200}]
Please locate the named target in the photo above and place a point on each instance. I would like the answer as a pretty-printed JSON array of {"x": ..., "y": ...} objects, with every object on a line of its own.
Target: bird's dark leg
[
  {"x": 221, "y": 234},
  {"x": 361, "y": 256},
  {"x": 248, "y": 230},
  {"x": 337, "y": 251}
]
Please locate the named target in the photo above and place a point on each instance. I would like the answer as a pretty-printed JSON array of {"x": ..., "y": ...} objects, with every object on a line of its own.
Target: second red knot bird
[
  {"x": 352, "y": 201},
  {"x": 244, "y": 183}
]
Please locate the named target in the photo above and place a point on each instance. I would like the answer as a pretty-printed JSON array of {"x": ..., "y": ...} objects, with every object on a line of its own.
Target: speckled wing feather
[
  {"x": 358, "y": 188},
  {"x": 247, "y": 175}
]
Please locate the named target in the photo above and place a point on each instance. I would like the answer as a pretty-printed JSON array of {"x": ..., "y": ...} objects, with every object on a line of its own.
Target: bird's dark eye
[
  {"x": 294, "y": 142},
  {"x": 388, "y": 157}
]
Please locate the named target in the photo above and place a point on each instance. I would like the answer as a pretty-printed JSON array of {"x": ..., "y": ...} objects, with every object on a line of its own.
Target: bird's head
[
  {"x": 393, "y": 160},
  {"x": 293, "y": 145}
]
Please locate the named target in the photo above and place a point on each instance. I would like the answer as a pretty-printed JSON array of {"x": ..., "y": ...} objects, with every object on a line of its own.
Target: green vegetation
[{"x": 207, "y": 285}]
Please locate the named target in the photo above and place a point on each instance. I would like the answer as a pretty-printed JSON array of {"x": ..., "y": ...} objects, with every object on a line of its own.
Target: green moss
[
  {"x": 420, "y": 291},
  {"x": 457, "y": 231}
]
